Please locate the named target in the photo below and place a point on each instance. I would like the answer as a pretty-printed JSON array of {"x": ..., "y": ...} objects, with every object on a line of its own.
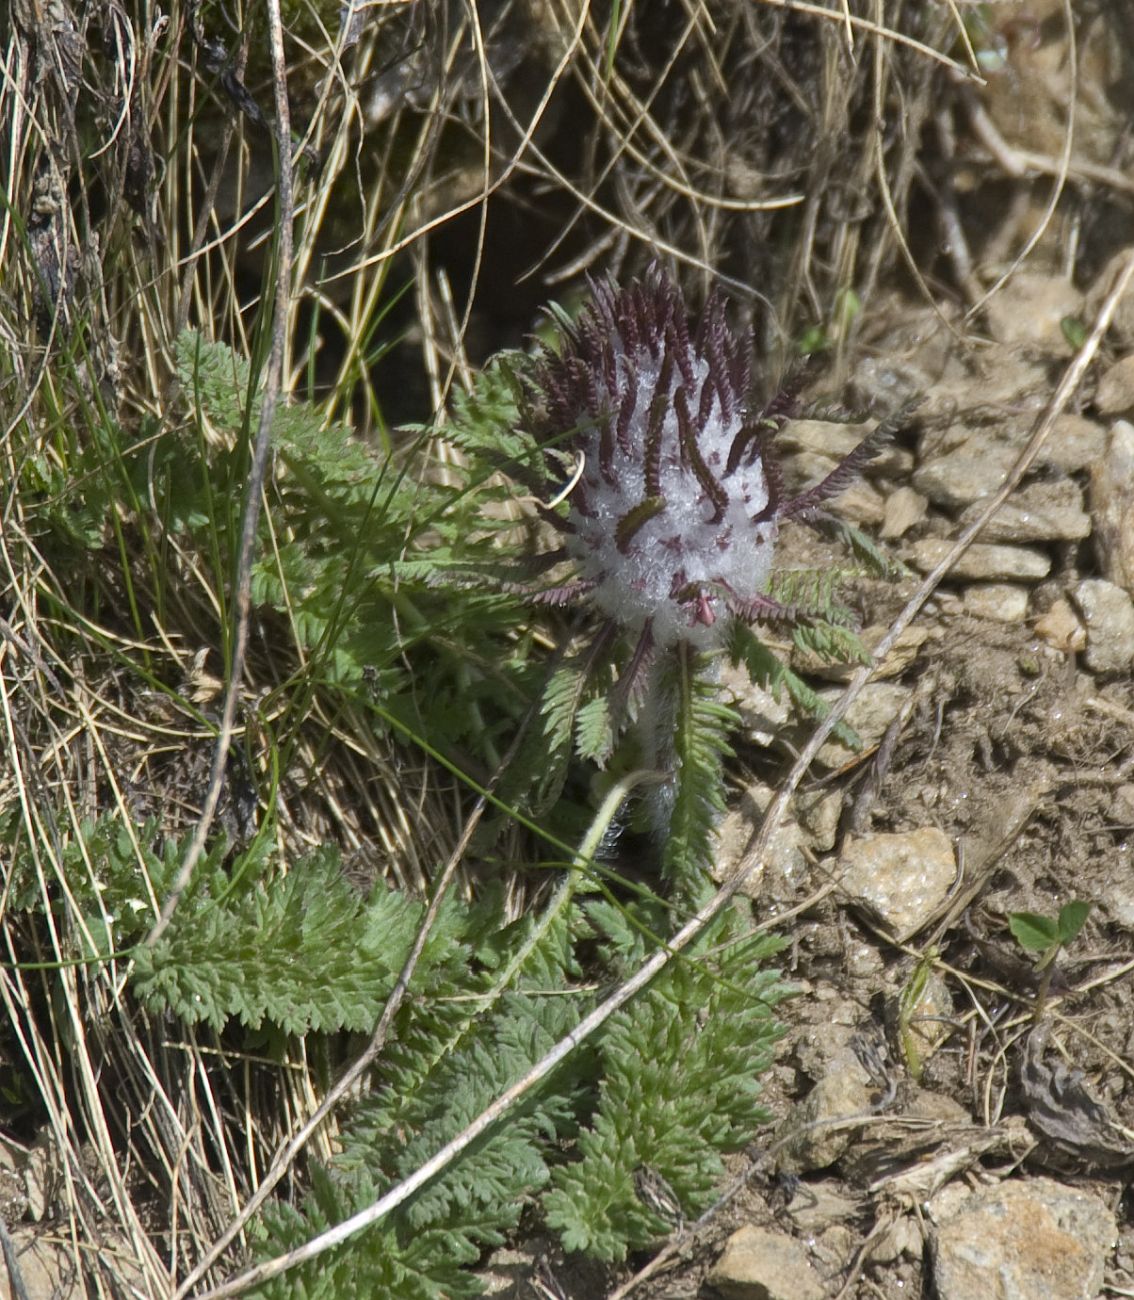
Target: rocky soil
[{"x": 953, "y": 1118}]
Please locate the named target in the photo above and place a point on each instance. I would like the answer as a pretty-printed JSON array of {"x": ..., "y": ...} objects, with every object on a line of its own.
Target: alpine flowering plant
[
  {"x": 678, "y": 498},
  {"x": 671, "y": 510}
]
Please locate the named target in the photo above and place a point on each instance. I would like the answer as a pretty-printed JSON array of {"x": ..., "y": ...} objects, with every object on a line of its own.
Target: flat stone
[
  {"x": 1050, "y": 511},
  {"x": 964, "y": 465},
  {"x": 999, "y": 602},
  {"x": 970, "y": 470},
  {"x": 860, "y": 503},
  {"x": 817, "y": 1205},
  {"x": 1029, "y": 311},
  {"x": 761, "y": 1265},
  {"x": 903, "y": 510},
  {"x": 1034, "y": 1239},
  {"x": 982, "y": 560},
  {"x": 1108, "y": 613},
  {"x": 830, "y": 441},
  {"x": 1112, "y": 505},
  {"x": 901, "y": 878},
  {"x": 1115, "y": 394},
  {"x": 872, "y": 712}
]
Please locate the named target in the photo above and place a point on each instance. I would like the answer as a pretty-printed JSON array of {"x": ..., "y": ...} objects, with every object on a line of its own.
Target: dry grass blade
[{"x": 277, "y": 368}]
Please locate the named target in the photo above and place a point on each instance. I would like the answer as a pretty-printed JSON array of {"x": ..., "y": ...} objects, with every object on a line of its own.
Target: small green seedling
[
  {"x": 1074, "y": 331},
  {"x": 1047, "y": 936}
]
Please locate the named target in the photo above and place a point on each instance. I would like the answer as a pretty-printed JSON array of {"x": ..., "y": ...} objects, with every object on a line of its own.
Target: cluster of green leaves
[
  {"x": 662, "y": 1059},
  {"x": 355, "y": 547},
  {"x": 394, "y": 579},
  {"x": 670, "y": 1082}
]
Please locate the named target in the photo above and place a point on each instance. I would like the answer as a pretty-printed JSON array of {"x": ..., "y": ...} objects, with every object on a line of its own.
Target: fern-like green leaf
[
  {"x": 303, "y": 953},
  {"x": 679, "y": 1070}
]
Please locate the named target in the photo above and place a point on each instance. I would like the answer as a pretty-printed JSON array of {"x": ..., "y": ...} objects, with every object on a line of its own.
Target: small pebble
[
  {"x": 900, "y": 877},
  {"x": 761, "y": 1265},
  {"x": 999, "y": 602},
  {"x": 1062, "y": 628},
  {"x": 904, "y": 509},
  {"x": 1108, "y": 613},
  {"x": 1115, "y": 395},
  {"x": 1029, "y": 311},
  {"x": 872, "y": 712}
]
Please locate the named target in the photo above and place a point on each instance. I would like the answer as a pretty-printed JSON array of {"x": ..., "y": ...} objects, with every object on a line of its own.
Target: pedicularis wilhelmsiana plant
[{"x": 676, "y": 498}]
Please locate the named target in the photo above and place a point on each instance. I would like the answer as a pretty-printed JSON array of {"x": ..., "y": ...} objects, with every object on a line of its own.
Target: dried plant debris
[{"x": 1078, "y": 1131}]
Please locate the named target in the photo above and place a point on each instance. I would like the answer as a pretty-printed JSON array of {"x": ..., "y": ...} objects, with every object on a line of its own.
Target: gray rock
[
  {"x": 1000, "y": 602},
  {"x": 760, "y": 1265},
  {"x": 762, "y": 715},
  {"x": 861, "y": 503},
  {"x": 983, "y": 560},
  {"x": 818, "y": 1205},
  {"x": 900, "y": 878},
  {"x": 819, "y": 813},
  {"x": 1108, "y": 613},
  {"x": 872, "y": 712},
  {"x": 829, "y": 442},
  {"x": 1075, "y": 444},
  {"x": 1115, "y": 395},
  {"x": 1042, "y": 512},
  {"x": 817, "y": 1131},
  {"x": 1028, "y": 1240},
  {"x": 967, "y": 469},
  {"x": 1112, "y": 505},
  {"x": 965, "y": 465},
  {"x": 1029, "y": 309},
  {"x": 784, "y": 867}
]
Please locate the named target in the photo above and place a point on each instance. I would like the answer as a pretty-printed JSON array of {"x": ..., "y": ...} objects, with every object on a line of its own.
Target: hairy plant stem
[{"x": 663, "y": 718}]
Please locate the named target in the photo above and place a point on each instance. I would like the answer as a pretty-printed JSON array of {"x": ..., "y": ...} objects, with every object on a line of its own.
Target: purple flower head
[{"x": 674, "y": 516}]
